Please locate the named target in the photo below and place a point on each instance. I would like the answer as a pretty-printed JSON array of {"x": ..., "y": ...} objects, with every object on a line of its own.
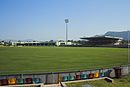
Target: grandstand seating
[
  {"x": 12, "y": 81},
  {"x": 20, "y": 81}
]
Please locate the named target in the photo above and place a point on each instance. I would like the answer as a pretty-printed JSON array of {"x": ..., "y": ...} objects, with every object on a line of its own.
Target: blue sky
[{"x": 44, "y": 19}]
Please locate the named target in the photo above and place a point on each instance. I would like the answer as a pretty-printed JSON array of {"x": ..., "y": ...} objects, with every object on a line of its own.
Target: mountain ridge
[{"x": 122, "y": 34}]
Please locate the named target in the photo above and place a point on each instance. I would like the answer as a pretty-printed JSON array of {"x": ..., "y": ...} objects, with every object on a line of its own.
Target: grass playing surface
[{"x": 52, "y": 59}]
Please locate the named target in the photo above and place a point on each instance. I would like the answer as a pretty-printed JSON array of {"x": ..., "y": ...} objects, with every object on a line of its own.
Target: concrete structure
[
  {"x": 36, "y": 43},
  {"x": 63, "y": 43}
]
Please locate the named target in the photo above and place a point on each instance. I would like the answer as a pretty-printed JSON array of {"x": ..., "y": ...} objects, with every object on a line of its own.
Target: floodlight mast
[
  {"x": 66, "y": 21},
  {"x": 128, "y": 46}
]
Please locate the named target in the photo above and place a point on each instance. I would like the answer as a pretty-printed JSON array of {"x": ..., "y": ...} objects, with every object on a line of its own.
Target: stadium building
[
  {"x": 47, "y": 43},
  {"x": 101, "y": 41},
  {"x": 34, "y": 43}
]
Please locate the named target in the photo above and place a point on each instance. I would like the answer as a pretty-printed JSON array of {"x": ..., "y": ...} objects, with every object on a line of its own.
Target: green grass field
[{"x": 52, "y": 59}]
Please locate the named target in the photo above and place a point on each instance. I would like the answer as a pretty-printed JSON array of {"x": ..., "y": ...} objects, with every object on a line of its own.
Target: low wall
[{"x": 56, "y": 77}]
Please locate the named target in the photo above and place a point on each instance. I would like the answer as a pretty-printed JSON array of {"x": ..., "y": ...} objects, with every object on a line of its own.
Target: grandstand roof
[{"x": 101, "y": 37}]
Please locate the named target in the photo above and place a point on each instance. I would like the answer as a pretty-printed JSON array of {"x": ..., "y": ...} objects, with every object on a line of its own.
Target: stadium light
[
  {"x": 66, "y": 21},
  {"x": 128, "y": 47}
]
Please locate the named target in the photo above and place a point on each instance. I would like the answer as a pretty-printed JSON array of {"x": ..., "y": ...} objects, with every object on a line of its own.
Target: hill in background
[{"x": 123, "y": 34}]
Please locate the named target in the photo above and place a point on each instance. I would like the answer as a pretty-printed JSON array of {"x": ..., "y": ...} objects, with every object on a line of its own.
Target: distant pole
[
  {"x": 66, "y": 21},
  {"x": 128, "y": 47}
]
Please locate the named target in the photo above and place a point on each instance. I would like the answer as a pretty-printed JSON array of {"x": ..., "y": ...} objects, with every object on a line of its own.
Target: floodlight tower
[
  {"x": 66, "y": 22},
  {"x": 128, "y": 46}
]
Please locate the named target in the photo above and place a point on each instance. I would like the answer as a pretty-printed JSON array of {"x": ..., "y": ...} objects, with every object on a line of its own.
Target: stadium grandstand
[{"x": 101, "y": 41}]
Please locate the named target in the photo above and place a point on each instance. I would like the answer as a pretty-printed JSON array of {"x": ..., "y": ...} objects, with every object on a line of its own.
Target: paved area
[{"x": 52, "y": 85}]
